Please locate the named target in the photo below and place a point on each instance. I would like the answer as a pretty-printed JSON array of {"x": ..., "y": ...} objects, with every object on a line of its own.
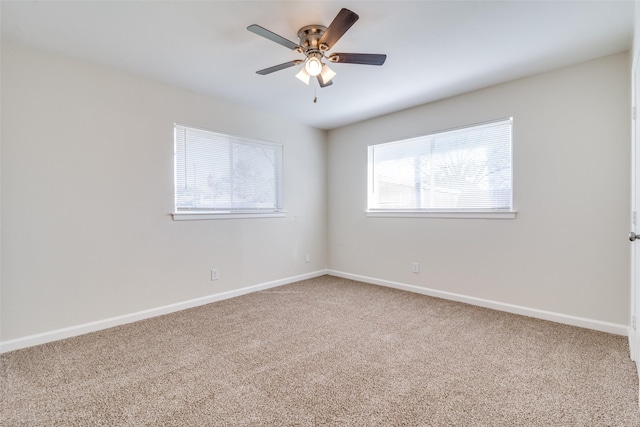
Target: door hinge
[{"x": 633, "y": 322}]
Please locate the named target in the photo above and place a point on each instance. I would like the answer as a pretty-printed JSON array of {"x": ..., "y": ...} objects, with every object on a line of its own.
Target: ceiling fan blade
[
  {"x": 358, "y": 58},
  {"x": 340, "y": 24},
  {"x": 257, "y": 29},
  {"x": 322, "y": 83},
  {"x": 279, "y": 67}
]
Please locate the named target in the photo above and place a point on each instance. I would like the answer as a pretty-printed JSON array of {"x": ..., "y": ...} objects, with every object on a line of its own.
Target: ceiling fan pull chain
[{"x": 315, "y": 97}]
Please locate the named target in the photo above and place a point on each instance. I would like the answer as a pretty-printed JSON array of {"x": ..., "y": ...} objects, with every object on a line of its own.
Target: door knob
[{"x": 633, "y": 236}]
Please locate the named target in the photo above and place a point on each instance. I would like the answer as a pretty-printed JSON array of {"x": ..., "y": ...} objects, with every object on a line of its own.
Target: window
[
  {"x": 218, "y": 175},
  {"x": 463, "y": 172}
]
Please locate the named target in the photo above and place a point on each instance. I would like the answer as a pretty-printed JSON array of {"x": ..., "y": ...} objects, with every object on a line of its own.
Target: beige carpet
[{"x": 326, "y": 352}]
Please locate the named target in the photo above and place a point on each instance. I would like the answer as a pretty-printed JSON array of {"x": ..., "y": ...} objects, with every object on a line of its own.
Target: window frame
[
  {"x": 434, "y": 212},
  {"x": 182, "y": 214}
]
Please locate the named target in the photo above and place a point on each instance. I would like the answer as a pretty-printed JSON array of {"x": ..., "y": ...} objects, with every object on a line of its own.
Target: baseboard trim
[
  {"x": 72, "y": 331},
  {"x": 582, "y": 322}
]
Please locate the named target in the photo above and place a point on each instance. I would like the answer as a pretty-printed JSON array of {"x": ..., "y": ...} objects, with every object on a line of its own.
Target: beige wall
[
  {"x": 566, "y": 252},
  {"x": 87, "y": 188}
]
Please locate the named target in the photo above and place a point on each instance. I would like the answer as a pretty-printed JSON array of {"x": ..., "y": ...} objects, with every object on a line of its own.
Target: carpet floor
[{"x": 326, "y": 352}]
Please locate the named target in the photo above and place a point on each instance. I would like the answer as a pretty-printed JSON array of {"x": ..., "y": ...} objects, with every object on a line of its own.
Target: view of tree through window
[
  {"x": 462, "y": 169},
  {"x": 216, "y": 172}
]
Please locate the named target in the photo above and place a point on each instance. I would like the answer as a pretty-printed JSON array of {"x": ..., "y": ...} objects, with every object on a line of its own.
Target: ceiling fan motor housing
[{"x": 310, "y": 36}]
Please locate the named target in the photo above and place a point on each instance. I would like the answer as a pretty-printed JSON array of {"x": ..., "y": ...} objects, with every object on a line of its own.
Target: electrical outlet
[
  {"x": 416, "y": 268},
  {"x": 307, "y": 258},
  {"x": 214, "y": 274}
]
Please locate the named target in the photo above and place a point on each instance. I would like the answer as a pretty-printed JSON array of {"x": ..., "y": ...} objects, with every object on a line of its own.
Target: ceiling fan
[{"x": 315, "y": 42}]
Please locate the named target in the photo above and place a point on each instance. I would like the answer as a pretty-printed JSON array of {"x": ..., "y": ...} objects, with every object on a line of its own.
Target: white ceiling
[{"x": 435, "y": 49}]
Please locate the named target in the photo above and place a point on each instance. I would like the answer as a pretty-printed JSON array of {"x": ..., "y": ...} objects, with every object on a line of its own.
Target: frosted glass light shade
[
  {"x": 313, "y": 66},
  {"x": 327, "y": 74},
  {"x": 303, "y": 76}
]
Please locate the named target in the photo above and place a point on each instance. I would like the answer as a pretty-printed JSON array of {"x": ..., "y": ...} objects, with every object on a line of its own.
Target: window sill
[
  {"x": 195, "y": 216},
  {"x": 442, "y": 214}
]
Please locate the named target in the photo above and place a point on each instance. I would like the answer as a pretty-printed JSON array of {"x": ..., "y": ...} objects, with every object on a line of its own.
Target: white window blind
[
  {"x": 224, "y": 174},
  {"x": 461, "y": 170}
]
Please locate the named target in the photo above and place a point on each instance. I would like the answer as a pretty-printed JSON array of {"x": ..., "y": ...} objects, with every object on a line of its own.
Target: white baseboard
[
  {"x": 582, "y": 322},
  {"x": 85, "y": 328}
]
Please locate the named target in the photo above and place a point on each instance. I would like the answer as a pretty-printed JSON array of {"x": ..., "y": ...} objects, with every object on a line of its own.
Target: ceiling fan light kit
[
  {"x": 313, "y": 65},
  {"x": 315, "y": 42}
]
